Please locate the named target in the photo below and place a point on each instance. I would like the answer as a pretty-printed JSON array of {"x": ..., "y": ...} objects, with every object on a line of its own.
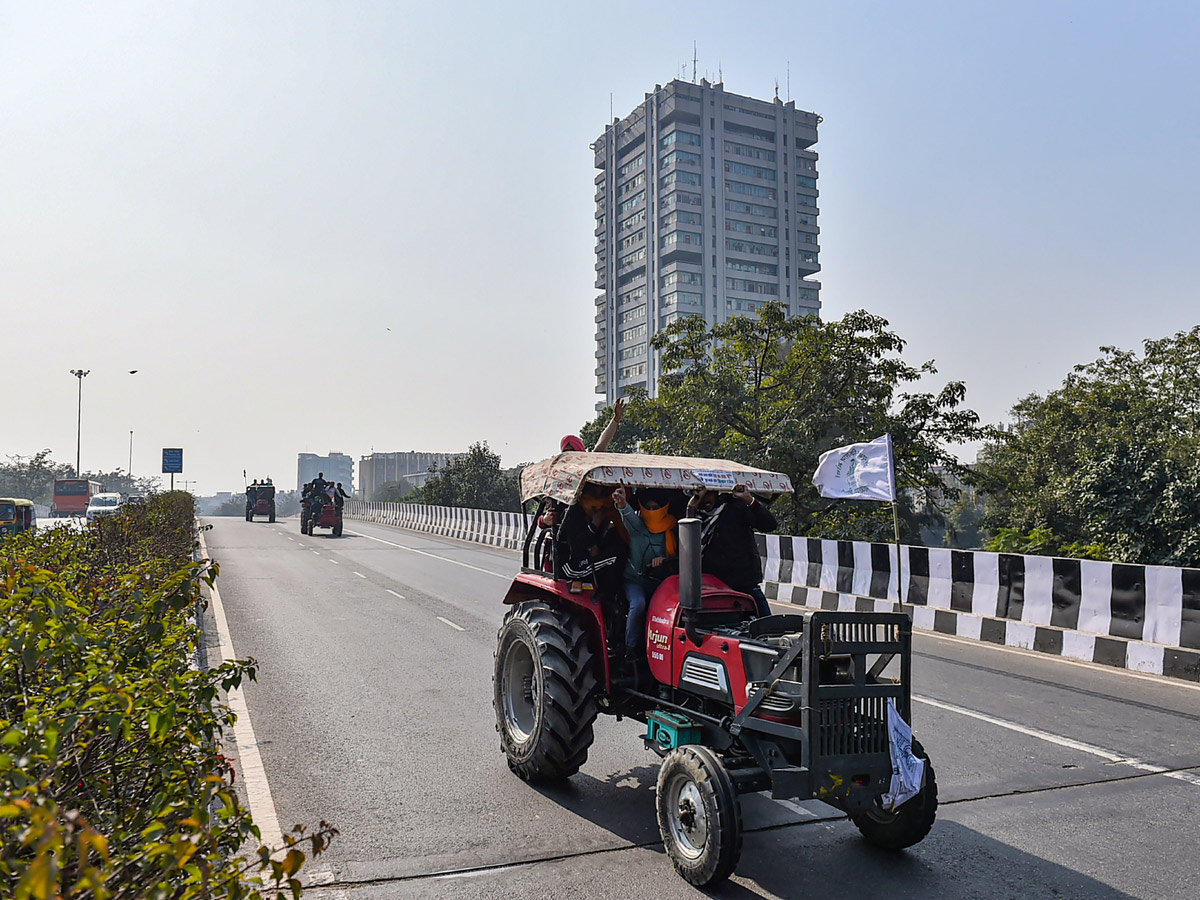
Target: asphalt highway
[{"x": 373, "y": 711}]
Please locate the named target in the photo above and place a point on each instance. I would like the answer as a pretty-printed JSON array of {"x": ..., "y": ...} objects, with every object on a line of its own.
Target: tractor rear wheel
[
  {"x": 544, "y": 687},
  {"x": 337, "y": 530},
  {"x": 699, "y": 815},
  {"x": 271, "y": 516},
  {"x": 908, "y": 824}
]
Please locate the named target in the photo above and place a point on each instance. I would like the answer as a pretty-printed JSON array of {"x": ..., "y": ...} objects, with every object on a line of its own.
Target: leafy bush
[{"x": 112, "y": 784}]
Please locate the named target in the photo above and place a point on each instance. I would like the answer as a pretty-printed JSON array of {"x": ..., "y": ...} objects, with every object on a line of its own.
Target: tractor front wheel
[
  {"x": 908, "y": 824},
  {"x": 699, "y": 815},
  {"x": 544, "y": 688}
]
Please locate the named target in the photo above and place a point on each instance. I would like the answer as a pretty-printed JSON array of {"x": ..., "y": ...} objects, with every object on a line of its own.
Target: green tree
[
  {"x": 776, "y": 392},
  {"x": 393, "y": 491},
  {"x": 1110, "y": 460},
  {"x": 474, "y": 480},
  {"x": 120, "y": 481},
  {"x": 32, "y": 477}
]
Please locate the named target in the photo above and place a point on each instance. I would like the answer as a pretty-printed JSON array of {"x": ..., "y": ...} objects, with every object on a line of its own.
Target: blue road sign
[{"x": 172, "y": 460}]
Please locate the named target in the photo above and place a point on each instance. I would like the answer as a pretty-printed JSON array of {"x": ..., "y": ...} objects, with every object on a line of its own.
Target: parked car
[{"x": 103, "y": 505}]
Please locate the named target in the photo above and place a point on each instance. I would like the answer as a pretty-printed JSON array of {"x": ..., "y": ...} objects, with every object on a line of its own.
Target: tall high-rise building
[
  {"x": 706, "y": 204},
  {"x": 336, "y": 467}
]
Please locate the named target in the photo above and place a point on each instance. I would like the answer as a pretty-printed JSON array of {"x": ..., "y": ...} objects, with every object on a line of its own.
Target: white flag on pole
[{"x": 858, "y": 471}]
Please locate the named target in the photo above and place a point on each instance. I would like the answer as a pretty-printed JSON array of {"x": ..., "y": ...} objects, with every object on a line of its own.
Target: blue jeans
[
  {"x": 764, "y": 608},
  {"x": 635, "y": 624}
]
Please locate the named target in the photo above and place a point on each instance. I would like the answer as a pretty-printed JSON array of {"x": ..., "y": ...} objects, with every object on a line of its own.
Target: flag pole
[{"x": 896, "y": 523}]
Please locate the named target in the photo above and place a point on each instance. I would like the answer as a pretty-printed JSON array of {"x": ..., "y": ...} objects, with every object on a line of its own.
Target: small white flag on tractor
[{"x": 858, "y": 471}]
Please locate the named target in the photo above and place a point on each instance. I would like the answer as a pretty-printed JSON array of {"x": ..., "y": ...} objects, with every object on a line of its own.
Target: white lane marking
[
  {"x": 290, "y": 538},
  {"x": 451, "y": 624},
  {"x": 1070, "y": 743},
  {"x": 360, "y": 574},
  {"x": 394, "y": 594},
  {"x": 334, "y": 561},
  {"x": 431, "y": 555},
  {"x": 318, "y": 552},
  {"x": 798, "y": 809},
  {"x": 254, "y": 775}
]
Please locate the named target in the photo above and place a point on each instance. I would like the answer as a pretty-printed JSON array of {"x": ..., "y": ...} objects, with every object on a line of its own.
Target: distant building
[
  {"x": 378, "y": 469},
  {"x": 706, "y": 205},
  {"x": 336, "y": 467}
]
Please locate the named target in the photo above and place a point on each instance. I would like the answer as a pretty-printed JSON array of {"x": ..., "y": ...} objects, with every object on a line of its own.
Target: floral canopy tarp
[{"x": 562, "y": 477}]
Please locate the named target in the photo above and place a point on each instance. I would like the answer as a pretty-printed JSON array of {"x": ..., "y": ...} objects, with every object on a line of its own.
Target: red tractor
[
  {"x": 260, "y": 501},
  {"x": 797, "y": 705},
  {"x": 320, "y": 515}
]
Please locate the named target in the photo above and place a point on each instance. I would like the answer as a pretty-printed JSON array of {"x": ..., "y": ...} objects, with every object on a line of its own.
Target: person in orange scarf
[{"x": 653, "y": 555}]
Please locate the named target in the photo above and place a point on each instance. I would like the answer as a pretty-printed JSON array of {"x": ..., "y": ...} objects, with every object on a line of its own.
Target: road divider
[{"x": 1142, "y": 618}]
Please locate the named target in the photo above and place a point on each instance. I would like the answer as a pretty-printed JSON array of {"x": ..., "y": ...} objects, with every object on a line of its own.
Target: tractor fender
[{"x": 534, "y": 586}]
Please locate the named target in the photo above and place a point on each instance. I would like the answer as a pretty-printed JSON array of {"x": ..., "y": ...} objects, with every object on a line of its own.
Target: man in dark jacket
[{"x": 729, "y": 549}]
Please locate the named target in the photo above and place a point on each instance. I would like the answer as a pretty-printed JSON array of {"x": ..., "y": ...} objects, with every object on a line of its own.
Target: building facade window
[
  {"x": 633, "y": 334},
  {"x": 752, "y": 267},
  {"x": 682, "y": 157},
  {"x": 632, "y": 315},
  {"x": 737, "y": 168},
  {"x": 751, "y": 209},
  {"x": 679, "y": 137},
  {"x": 634, "y": 371},
  {"x": 681, "y": 278},
  {"x": 750, "y": 190},
  {"x": 750, "y": 228},
  {"x": 633, "y": 240},
  {"x": 804, "y": 164},
  {"x": 751, "y": 152},
  {"x": 809, "y": 294},
  {"x": 805, "y": 200},
  {"x": 754, "y": 134},
  {"x": 808, "y": 256},
  {"x": 630, "y": 258},
  {"x": 746, "y": 286},
  {"x": 754, "y": 248},
  {"x": 633, "y": 296},
  {"x": 683, "y": 298},
  {"x": 637, "y": 351},
  {"x": 632, "y": 222},
  {"x": 633, "y": 201},
  {"x": 680, "y": 237},
  {"x": 750, "y": 112},
  {"x": 678, "y": 176},
  {"x": 679, "y": 217},
  {"x": 806, "y": 182},
  {"x": 632, "y": 184},
  {"x": 806, "y": 237},
  {"x": 634, "y": 163}
]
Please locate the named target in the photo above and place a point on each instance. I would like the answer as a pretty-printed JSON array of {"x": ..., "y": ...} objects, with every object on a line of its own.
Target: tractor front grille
[{"x": 852, "y": 726}]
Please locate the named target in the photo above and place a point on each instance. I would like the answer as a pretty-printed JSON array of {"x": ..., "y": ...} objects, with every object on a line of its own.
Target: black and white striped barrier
[
  {"x": 482, "y": 526},
  {"x": 1144, "y": 618}
]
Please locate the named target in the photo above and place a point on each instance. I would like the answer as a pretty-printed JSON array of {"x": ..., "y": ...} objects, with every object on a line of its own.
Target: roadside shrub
[{"x": 112, "y": 784}]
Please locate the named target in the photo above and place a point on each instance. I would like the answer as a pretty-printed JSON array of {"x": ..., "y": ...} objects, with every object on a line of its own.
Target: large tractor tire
[
  {"x": 337, "y": 530},
  {"x": 910, "y": 823},
  {"x": 699, "y": 815},
  {"x": 271, "y": 517},
  {"x": 544, "y": 687}
]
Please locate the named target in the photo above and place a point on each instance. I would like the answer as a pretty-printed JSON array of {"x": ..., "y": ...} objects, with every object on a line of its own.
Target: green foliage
[
  {"x": 1041, "y": 541},
  {"x": 1109, "y": 459},
  {"x": 964, "y": 520},
  {"x": 392, "y": 491},
  {"x": 111, "y": 780},
  {"x": 32, "y": 477},
  {"x": 120, "y": 481},
  {"x": 776, "y": 392},
  {"x": 234, "y": 506},
  {"x": 473, "y": 480}
]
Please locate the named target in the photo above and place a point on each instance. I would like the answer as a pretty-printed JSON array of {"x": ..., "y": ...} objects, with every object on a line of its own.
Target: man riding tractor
[{"x": 733, "y": 702}]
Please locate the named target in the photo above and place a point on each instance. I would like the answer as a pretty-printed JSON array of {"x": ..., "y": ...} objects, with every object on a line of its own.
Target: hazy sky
[{"x": 241, "y": 199}]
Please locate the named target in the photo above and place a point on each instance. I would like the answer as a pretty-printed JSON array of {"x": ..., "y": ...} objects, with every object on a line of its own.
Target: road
[{"x": 372, "y": 710}]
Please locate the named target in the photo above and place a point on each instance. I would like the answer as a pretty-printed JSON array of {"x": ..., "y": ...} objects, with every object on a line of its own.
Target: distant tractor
[
  {"x": 260, "y": 501},
  {"x": 320, "y": 515}
]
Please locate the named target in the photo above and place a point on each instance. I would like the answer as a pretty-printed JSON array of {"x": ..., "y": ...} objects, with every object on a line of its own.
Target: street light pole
[
  {"x": 129, "y": 471},
  {"x": 80, "y": 374}
]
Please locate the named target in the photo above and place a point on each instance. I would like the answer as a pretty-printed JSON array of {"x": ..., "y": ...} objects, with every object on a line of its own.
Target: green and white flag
[{"x": 858, "y": 471}]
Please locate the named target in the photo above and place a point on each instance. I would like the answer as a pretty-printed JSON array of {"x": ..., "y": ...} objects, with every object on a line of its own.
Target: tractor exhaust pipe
[{"x": 689, "y": 574}]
